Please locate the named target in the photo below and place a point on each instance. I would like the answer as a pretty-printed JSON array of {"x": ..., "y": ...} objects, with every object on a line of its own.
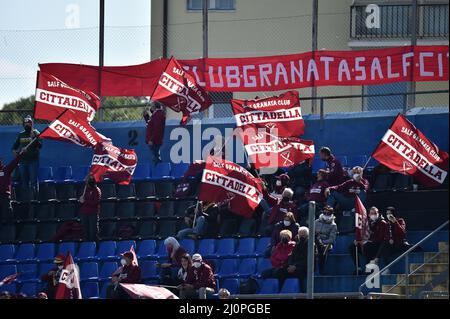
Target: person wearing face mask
[
  {"x": 29, "y": 163},
  {"x": 281, "y": 183},
  {"x": 53, "y": 275},
  {"x": 90, "y": 209},
  {"x": 6, "y": 212},
  {"x": 336, "y": 174},
  {"x": 344, "y": 193},
  {"x": 288, "y": 223},
  {"x": 200, "y": 282},
  {"x": 284, "y": 206},
  {"x": 326, "y": 230},
  {"x": 154, "y": 134},
  {"x": 379, "y": 236},
  {"x": 280, "y": 255},
  {"x": 315, "y": 193},
  {"x": 129, "y": 272}
]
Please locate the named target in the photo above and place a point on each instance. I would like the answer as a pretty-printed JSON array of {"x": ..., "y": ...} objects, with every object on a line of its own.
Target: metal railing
[
  {"x": 331, "y": 295},
  {"x": 395, "y": 21},
  {"x": 405, "y": 255}
]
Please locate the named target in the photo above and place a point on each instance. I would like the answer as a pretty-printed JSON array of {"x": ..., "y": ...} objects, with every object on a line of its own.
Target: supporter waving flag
[
  {"x": 179, "y": 91},
  {"x": 226, "y": 182},
  {"x": 405, "y": 149},
  {"x": 113, "y": 162},
  {"x": 281, "y": 115},
  {"x": 53, "y": 97},
  {"x": 361, "y": 222},
  {"x": 71, "y": 127},
  {"x": 69, "y": 282}
]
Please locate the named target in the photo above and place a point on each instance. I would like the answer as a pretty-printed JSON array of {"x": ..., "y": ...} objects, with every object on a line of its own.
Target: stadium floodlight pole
[
  {"x": 311, "y": 257},
  {"x": 413, "y": 26},
  {"x": 101, "y": 54},
  {"x": 315, "y": 17}
]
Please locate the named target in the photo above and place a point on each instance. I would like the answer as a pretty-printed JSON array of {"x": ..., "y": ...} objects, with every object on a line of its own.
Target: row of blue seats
[{"x": 70, "y": 174}]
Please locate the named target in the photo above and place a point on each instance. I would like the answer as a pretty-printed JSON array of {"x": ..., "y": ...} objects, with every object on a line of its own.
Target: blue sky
[{"x": 39, "y": 31}]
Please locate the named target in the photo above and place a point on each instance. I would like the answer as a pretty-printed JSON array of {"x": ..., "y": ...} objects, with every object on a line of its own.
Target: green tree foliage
[{"x": 14, "y": 112}]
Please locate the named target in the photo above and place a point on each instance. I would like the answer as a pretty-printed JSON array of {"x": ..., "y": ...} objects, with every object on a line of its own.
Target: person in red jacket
[
  {"x": 336, "y": 173},
  {"x": 6, "y": 212},
  {"x": 397, "y": 243},
  {"x": 379, "y": 237},
  {"x": 53, "y": 275},
  {"x": 200, "y": 280},
  {"x": 280, "y": 255},
  {"x": 315, "y": 193},
  {"x": 284, "y": 206},
  {"x": 128, "y": 273},
  {"x": 156, "y": 123},
  {"x": 90, "y": 209}
]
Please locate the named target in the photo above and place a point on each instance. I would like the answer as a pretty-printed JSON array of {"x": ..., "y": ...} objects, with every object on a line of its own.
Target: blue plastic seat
[
  {"x": 188, "y": 245},
  {"x": 149, "y": 270},
  {"x": 103, "y": 290},
  {"x": 45, "y": 174},
  {"x": 63, "y": 248},
  {"x": 28, "y": 272},
  {"x": 107, "y": 269},
  {"x": 86, "y": 251},
  {"x": 45, "y": 252},
  {"x": 179, "y": 169},
  {"x": 247, "y": 267},
  {"x": 231, "y": 284},
  {"x": 146, "y": 249},
  {"x": 107, "y": 251},
  {"x": 342, "y": 244},
  {"x": 11, "y": 288},
  {"x": 246, "y": 247},
  {"x": 45, "y": 268},
  {"x": 79, "y": 173},
  {"x": 317, "y": 164},
  {"x": 229, "y": 268},
  {"x": 89, "y": 290},
  {"x": 161, "y": 171},
  {"x": 7, "y": 270},
  {"x": 142, "y": 172},
  {"x": 162, "y": 250},
  {"x": 290, "y": 286},
  {"x": 207, "y": 247},
  {"x": 263, "y": 264},
  {"x": 269, "y": 286},
  {"x": 7, "y": 253},
  {"x": 29, "y": 288},
  {"x": 89, "y": 271},
  {"x": 63, "y": 174},
  {"x": 261, "y": 247},
  {"x": 225, "y": 247},
  {"x": 124, "y": 246}
]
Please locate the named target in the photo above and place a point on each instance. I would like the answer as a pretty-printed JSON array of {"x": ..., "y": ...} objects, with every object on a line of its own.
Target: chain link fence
[{"x": 244, "y": 29}]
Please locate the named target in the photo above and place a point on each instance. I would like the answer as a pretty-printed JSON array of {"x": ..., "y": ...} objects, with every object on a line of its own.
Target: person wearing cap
[
  {"x": 90, "y": 209},
  {"x": 52, "y": 277},
  {"x": 336, "y": 174},
  {"x": 29, "y": 163},
  {"x": 6, "y": 212},
  {"x": 200, "y": 282},
  {"x": 326, "y": 231},
  {"x": 129, "y": 272},
  {"x": 156, "y": 123}
]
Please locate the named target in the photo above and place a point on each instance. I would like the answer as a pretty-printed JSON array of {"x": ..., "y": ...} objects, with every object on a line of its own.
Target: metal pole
[
  {"x": 311, "y": 257},
  {"x": 407, "y": 276},
  {"x": 315, "y": 11},
  {"x": 165, "y": 34},
  {"x": 101, "y": 54},
  {"x": 413, "y": 26},
  {"x": 322, "y": 111},
  {"x": 205, "y": 6}
]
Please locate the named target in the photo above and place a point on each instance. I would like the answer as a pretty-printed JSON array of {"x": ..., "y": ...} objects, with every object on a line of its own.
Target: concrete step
[
  {"x": 429, "y": 268},
  {"x": 441, "y": 258},
  {"x": 443, "y": 246},
  {"x": 418, "y": 279},
  {"x": 400, "y": 289}
]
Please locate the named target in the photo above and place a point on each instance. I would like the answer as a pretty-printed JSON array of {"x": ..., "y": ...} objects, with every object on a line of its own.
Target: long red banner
[{"x": 270, "y": 73}]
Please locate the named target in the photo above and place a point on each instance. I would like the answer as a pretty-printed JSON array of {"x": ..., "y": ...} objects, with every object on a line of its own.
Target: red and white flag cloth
[
  {"x": 8, "y": 279},
  {"x": 53, "y": 97},
  {"x": 362, "y": 231},
  {"x": 407, "y": 150},
  {"x": 71, "y": 127},
  {"x": 69, "y": 282},
  {"x": 140, "y": 291},
  {"x": 179, "y": 91},
  {"x": 226, "y": 182},
  {"x": 267, "y": 150},
  {"x": 281, "y": 115},
  {"x": 115, "y": 163}
]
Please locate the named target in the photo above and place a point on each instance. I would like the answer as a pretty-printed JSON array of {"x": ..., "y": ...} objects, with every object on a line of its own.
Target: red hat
[
  {"x": 59, "y": 259},
  {"x": 128, "y": 254},
  {"x": 284, "y": 177}
]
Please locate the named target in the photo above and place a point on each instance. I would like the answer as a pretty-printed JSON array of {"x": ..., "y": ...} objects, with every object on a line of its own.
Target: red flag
[
  {"x": 267, "y": 150},
  {"x": 71, "y": 127},
  {"x": 69, "y": 282},
  {"x": 113, "y": 162},
  {"x": 53, "y": 97},
  {"x": 179, "y": 91},
  {"x": 135, "y": 260},
  {"x": 140, "y": 291},
  {"x": 405, "y": 149},
  {"x": 226, "y": 182},
  {"x": 8, "y": 279},
  {"x": 361, "y": 221},
  {"x": 281, "y": 115}
]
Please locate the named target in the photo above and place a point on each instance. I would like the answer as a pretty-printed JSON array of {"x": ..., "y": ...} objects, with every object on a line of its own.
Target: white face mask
[
  {"x": 287, "y": 223},
  {"x": 197, "y": 264},
  {"x": 123, "y": 262},
  {"x": 356, "y": 177},
  {"x": 60, "y": 267},
  {"x": 327, "y": 217},
  {"x": 278, "y": 183},
  {"x": 373, "y": 217}
]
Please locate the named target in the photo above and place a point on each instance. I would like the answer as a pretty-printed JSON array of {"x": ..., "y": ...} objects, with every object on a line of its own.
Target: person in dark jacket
[
  {"x": 128, "y": 273},
  {"x": 379, "y": 236},
  {"x": 53, "y": 275},
  {"x": 186, "y": 267},
  {"x": 29, "y": 163},
  {"x": 199, "y": 228},
  {"x": 301, "y": 179},
  {"x": 90, "y": 209},
  {"x": 397, "y": 243},
  {"x": 282, "y": 182},
  {"x": 315, "y": 193},
  {"x": 154, "y": 136},
  {"x": 200, "y": 282},
  {"x": 175, "y": 252},
  {"x": 6, "y": 212},
  {"x": 280, "y": 255},
  {"x": 288, "y": 223},
  {"x": 343, "y": 194},
  {"x": 326, "y": 231},
  {"x": 336, "y": 173}
]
